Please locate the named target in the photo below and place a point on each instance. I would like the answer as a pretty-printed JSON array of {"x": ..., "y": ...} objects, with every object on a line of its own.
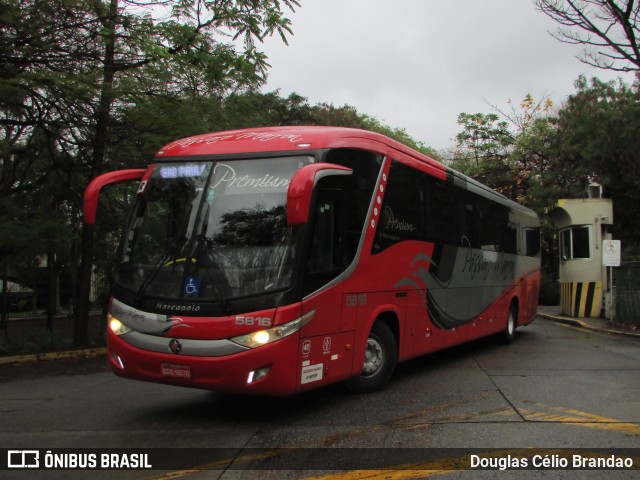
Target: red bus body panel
[{"x": 331, "y": 347}]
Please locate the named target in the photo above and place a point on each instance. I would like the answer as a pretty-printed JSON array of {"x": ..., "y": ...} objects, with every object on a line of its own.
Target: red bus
[{"x": 276, "y": 260}]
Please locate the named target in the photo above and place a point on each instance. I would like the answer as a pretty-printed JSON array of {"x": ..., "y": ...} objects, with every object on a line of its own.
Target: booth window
[{"x": 575, "y": 242}]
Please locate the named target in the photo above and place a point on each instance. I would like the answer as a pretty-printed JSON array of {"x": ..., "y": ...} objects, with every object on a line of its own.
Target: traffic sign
[{"x": 611, "y": 253}]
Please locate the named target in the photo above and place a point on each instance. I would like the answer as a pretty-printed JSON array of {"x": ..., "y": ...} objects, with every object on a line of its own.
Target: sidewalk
[{"x": 594, "y": 324}]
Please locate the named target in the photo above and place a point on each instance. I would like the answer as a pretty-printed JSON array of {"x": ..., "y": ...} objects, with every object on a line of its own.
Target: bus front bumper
[{"x": 267, "y": 370}]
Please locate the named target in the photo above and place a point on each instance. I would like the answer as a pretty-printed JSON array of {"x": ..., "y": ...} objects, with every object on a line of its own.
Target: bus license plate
[{"x": 175, "y": 371}]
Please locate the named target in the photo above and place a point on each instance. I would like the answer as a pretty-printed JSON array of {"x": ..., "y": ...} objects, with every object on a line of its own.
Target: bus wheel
[
  {"x": 380, "y": 357},
  {"x": 509, "y": 333}
]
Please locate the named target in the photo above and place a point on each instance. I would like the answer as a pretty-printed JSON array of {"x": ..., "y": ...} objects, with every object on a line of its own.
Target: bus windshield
[{"x": 211, "y": 230}]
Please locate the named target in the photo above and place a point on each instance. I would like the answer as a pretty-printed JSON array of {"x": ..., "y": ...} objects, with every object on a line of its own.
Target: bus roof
[
  {"x": 301, "y": 138},
  {"x": 292, "y": 138}
]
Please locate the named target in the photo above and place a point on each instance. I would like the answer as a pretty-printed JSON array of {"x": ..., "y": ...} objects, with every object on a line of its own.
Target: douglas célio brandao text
[{"x": 551, "y": 461}]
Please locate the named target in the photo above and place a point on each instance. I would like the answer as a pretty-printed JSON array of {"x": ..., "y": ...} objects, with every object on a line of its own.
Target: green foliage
[
  {"x": 508, "y": 150},
  {"x": 597, "y": 138},
  {"x": 483, "y": 146},
  {"x": 483, "y": 137},
  {"x": 399, "y": 134},
  {"x": 88, "y": 86},
  {"x": 537, "y": 156}
]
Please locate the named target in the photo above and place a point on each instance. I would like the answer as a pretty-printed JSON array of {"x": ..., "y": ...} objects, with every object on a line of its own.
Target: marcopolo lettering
[{"x": 170, "y": 307}]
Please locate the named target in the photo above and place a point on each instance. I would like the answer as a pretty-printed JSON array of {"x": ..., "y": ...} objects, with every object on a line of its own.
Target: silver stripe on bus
[{"x": 190, "y": 347}]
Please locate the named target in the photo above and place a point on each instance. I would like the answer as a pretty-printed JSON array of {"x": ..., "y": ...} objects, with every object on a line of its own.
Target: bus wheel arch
[
  {"x": 509, "y": 333},
  {"x": 380, "y": 356}
]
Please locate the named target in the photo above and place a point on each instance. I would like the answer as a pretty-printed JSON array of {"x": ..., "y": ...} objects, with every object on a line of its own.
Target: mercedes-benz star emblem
[{"x": 175, "y": 346}]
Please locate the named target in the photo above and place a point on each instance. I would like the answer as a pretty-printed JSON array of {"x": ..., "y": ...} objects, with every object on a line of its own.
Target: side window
[
  {"x": 356, "y": 191},
  {"x": 491, "y": 231},
  {"x": 575, "y": 243},
  {"x": 472, "y": 222},
  {"x": 400, "y": 216},
  {"x": 441, "y": 212},
  {"x": 339, "y": 212},
  {"x": 418, "y": 206},
  {"x": 509, "y": 236},
  {"x": 581, "y": 244},
  {"x": 531, "y": 241},
  {"x": 497, "y": 231},
  {"x": 323, "y": 254}
]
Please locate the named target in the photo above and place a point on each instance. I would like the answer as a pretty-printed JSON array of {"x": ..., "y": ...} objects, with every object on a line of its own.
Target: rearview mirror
[
  {"x": 92, "y": 191},
  {"x": 301, "y": 189}
]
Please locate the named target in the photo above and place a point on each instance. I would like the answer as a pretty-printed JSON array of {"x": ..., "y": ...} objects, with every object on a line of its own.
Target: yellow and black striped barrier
[{"x": 581, "y": 299}]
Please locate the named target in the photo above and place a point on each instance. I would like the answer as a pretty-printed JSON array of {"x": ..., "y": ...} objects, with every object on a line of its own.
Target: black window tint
[
  {"x": 324, "y": 248},
  {"x": 491, "y": 234},
  {"x": 509, "y": 233},
  {"x": 418, "y": 206},
  {"x": 581, "y": 242},
  {"x": 472, "y": 222},
  {"x": 531, "y": 242},
  {"x": 575, "y": 243},
  {"x": 357, "y": 190},
  {"x": 565, "y": 244},
  {"x": 400, "y": 216},
  {"x": 441, "y": 211}
]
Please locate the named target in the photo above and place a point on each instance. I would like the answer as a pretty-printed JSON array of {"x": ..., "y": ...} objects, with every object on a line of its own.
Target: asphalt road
[{"x": 556, "y": 389}]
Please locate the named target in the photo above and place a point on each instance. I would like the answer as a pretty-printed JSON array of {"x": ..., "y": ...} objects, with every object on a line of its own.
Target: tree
[
  {"x": 72, "y": 70},
  {"x": 483, "y": 136},
  {"x": 510, "y": 151},
  {"x": 597, "y": 140},
  {"x": 494, "y": 149},
  {"x": 529, "y": 156},
  {"x": 608, "y": 29},
  {"x": 399, "y": 134},
  {"x": 187, "y": 38},
  {"x": 88, "y": 86},
  {"x": 253, "y": 109}
]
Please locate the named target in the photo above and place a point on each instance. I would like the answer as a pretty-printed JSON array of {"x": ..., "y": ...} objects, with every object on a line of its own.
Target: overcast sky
[{"x": 417, "y": 64}]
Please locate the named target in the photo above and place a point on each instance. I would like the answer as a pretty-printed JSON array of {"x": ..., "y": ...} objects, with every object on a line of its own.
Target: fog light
[
  {"x": 259, "y": 374},
  {"x": 118, "y": 361}
]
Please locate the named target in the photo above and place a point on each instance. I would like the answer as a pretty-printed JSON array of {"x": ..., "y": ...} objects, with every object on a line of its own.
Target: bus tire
[
  {"x": 379, "y": 363},
  {"x": 509, "y": 333}
]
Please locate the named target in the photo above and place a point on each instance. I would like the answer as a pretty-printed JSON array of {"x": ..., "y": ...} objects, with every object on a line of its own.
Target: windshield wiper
[
  {"x": 168, "y": 259},
  {"x": 202, "y": 242}
]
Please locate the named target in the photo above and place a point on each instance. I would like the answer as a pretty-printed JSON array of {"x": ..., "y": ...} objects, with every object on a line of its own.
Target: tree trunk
[{"x": 108, "y": 20}]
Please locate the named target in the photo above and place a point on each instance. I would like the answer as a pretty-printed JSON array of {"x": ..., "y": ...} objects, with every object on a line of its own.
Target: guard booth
[{"x": 583, "y": 224}]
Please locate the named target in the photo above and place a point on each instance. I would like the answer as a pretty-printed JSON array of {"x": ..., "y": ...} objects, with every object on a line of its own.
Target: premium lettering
[
  {"x": 398, "y": 224},
  {"x": 227, "y": 175}
]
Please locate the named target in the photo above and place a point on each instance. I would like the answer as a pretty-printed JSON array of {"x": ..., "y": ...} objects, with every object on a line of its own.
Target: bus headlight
[
  {"x": 263, "y": 337},
  {"x": 117, "y": 326}
]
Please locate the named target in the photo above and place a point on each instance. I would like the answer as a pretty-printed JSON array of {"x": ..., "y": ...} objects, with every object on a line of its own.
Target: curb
[
  {"x": 42, "y": 357},
  {"x": 574, "y": 322}
]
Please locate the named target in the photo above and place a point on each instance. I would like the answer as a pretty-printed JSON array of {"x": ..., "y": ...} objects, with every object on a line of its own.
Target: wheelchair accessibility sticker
[{"x": 192, "y": 287}]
